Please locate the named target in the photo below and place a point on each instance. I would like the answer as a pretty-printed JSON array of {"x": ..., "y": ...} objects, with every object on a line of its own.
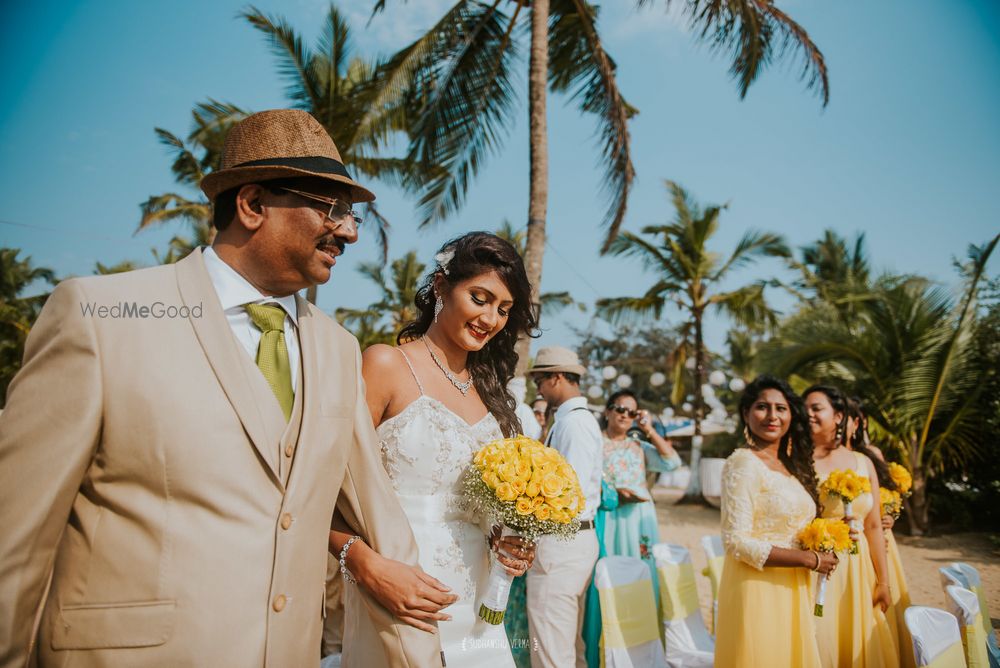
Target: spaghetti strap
[{"x": 417, "y": 380}]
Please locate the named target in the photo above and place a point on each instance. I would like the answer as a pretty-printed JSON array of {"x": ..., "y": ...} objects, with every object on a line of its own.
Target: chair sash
[
  {"x": 628, "y": 615},
  {"x": 678, "y": 591}
]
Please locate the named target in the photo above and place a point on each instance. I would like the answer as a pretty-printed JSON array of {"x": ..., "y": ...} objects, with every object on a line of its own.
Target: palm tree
[
  {"x": 834, "y": 272},
  {"x": 396, "y": 303},
  {"x": 348, "y": 99},
  {"x": 909, "y": 353},
  {"x": 460, "y": 77},
  {"x": 689, "y": 273},
  {"x": 194, "y": 157},
  {"x": 17, "y": 313}
]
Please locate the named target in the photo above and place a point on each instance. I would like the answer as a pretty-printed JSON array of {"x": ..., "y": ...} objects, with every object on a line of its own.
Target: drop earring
[
  {"x": 748, "y": 438},
  {"x": 438, "y": 306}
]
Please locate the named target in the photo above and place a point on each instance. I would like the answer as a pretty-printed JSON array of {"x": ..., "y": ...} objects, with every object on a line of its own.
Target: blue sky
[{"x": 907, "y": 151}]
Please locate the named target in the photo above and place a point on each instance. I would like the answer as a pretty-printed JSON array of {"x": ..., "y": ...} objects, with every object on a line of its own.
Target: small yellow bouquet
[
  {"x": 892, "y": 502},
  {"x": 846, "y": 485},
  {"x": 528, "y": 488},
  {"x": 824, "y": 535},
  {"x": 901, "y": 476}
]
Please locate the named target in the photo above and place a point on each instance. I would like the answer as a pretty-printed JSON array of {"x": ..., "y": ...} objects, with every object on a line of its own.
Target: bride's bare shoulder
[{"x": 380, "y": 358}]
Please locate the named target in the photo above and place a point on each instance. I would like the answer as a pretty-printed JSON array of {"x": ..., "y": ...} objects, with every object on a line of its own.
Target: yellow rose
[
  {"x": 519, "y": 486},
  {"x": 523, "y": 469},
  {"x": 552, "y": 485},
  {"x": 543, "y": 512},
  {"x": 560, "y": 516},
  {"x": 491, "y": 479},
  {"x": 508, "y": 471},
  {"x": 565, "y": 470},
  {"x": 505, "y": 492},
  {"x": 523, "y": 506},
  {"x": 561, "y": 502},
  {"x": 533, "y": 488},
  {"x": 537, "y": 502}
]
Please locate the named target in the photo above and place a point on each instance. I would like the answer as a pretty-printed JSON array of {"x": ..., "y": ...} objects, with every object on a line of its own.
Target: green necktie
[{"x": 272, "y": 353}]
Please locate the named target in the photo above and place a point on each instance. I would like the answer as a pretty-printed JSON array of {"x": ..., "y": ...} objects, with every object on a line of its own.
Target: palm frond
[
  {"x": 753, "y": 244},
  {"x": 159, "y": 209},
  {"x": 579, "y": 64},
  {"x": 293, "y": 55}
]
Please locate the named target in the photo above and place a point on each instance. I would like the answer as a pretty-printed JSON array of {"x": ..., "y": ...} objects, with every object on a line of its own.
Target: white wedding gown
[{"x": 425, "y": 449}]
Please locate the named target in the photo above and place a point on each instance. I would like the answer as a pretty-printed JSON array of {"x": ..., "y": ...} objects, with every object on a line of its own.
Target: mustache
[{"x": 331, "y": 240}]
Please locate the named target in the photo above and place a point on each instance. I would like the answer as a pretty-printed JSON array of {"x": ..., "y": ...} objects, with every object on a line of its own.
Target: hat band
[{"x": 316, "y": 163}]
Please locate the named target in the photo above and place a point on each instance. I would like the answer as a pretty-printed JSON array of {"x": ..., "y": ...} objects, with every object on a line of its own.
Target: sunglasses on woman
[{"x": 623, "y": 410}]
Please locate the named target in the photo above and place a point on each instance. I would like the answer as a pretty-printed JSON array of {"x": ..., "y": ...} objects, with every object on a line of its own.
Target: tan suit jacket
[{"x": 145, "y": 465}]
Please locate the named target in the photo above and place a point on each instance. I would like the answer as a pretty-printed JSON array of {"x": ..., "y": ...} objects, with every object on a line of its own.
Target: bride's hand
[
  {"x": 406, "y": 591},
  {"x": 514, "y": 552}
]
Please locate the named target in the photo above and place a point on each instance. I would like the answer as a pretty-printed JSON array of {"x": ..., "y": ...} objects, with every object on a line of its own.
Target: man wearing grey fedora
[
  {"x": 557, "y": 583},
  {"x": 180, "y": 440}
]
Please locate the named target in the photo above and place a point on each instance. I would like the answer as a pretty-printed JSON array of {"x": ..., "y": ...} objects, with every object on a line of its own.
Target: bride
[{"x": 435, "y": 400}]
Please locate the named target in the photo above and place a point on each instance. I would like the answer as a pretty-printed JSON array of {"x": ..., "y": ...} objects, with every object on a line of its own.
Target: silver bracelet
[{"x": 343, "y": 560}]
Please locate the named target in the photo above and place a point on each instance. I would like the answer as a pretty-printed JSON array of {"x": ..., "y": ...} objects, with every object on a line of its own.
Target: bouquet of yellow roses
[
  {"x": 847, "y": 485},
  {"x": 528, "y": 488},
  {"x": 824, "y": 535}
]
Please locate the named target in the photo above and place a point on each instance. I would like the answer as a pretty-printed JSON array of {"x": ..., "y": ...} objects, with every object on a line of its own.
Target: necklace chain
[{"x": 462, "y": 386}]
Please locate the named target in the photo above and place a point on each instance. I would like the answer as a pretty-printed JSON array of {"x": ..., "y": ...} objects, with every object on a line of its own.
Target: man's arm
[
  {"x": 49, "y": 432},
  {"x": 369, "y": 507}
]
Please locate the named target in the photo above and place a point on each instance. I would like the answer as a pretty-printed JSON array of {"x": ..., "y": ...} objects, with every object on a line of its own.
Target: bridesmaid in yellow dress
[
  {"x": 858, "y": 440},
  {"x": 854, "y": 631},
  {"x": 768, "y": 495}
]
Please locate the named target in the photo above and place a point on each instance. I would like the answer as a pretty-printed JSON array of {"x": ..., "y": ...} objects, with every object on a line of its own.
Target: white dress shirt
[
  {"x": 529, "y": 423},
  {"x": 234, "y": 292},
  {"x": 577, "y": 437}
]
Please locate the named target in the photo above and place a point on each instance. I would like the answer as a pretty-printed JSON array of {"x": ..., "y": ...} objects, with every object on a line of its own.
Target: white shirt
[
  {"x": 234, "y": 292},
  {"x": 577, "y": 437}
]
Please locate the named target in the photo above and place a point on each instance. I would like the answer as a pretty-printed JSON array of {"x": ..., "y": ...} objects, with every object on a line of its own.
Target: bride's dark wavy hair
[
  {"x": 798, "y": 458},
  {"x": 859, "y": 443},
  {"x": 492, "y": 367}
]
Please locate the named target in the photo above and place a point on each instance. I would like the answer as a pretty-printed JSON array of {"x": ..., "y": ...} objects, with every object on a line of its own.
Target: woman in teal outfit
[{"x": 631, "y": 529}]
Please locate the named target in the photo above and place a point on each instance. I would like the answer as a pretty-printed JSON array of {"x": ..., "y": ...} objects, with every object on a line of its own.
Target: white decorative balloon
[
  {"x": 624, "y": 381},
  {"x": 595, "y": 392},
  {"x": 717, "y": 378},
  {"x": 657, "y": 379},
  {"x": 609, "y": 372},
  {"x": 737, "y": 385},
  {"x": 689, "y": 364},
  {"x": 668, "y": 412},
  {"x": 686, "y": 407}
]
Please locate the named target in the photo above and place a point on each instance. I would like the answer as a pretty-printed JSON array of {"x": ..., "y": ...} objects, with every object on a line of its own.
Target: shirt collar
[
  {"x": 570, "y": 404},
  {"x": 234, "y": 291}
]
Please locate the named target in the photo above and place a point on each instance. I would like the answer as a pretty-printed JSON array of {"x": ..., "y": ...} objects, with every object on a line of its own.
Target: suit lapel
[{"x": 223, "y": 353}]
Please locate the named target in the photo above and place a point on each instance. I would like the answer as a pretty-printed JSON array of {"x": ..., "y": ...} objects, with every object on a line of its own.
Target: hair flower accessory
[{"x": 444, "y": 258}]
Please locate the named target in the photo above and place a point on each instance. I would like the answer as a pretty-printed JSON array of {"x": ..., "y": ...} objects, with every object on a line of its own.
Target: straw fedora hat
[
  {"x": 279, "y": 144},
  {"x": 557, "y": 359}
]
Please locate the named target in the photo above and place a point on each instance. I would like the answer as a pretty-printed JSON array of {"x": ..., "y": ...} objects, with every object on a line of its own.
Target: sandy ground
[{"x": 686, "y": 524}]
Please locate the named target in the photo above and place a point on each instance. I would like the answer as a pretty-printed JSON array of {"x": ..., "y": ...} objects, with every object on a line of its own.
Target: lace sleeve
[{"x": 740, "y": 480}]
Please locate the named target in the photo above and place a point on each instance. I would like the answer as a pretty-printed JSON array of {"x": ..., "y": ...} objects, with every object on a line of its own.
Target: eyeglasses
[
  {"x": 623, "y": 410},
  {"x": 339, "y": 212}
]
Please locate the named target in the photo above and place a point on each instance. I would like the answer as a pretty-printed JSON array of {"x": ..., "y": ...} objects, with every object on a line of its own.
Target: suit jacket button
[
  {"x": 286, "y": 521},
  {"x": 289, "y": 450},
  {"x": 279, "y": 602}
]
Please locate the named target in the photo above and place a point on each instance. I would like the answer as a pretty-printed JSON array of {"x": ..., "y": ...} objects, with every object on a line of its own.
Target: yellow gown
[
  {"x": 900, "y": 602},
  {"x": 852, "y": 633},
  {"x": 765, "y": 613}
]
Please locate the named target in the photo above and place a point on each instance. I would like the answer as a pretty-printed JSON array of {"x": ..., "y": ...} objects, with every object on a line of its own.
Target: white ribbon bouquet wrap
[
  {"x": 824, "y": 535},
  {"x": 528, "y": 489}
]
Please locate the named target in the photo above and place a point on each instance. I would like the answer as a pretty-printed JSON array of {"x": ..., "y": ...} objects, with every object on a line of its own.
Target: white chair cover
[
  {"x": 630, "y": 635},
  {"x": 710, "y": 472},
  {"x": 963, "y": 575},
  {"x": 688, "y": 644},
  {"x": 937, "y": 642},
  {"x": 676, "y": 479},
  {"x": 715, "y": 553},
  {"x": 965, "y": 606}
]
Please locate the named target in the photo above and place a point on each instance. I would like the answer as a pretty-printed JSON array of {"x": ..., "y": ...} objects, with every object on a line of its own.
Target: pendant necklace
[{"x": 462, "y": 386}]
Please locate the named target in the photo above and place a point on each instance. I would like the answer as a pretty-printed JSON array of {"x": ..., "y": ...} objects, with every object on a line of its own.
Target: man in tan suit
[{"x": 173, "y": 449}]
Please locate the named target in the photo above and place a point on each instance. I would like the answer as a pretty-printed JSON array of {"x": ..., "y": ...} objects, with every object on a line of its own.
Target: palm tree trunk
[
  {"x": 538, "y": 74},
  {"x": 693, "y": 492},
  {"x": 918, "y": 505}
]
